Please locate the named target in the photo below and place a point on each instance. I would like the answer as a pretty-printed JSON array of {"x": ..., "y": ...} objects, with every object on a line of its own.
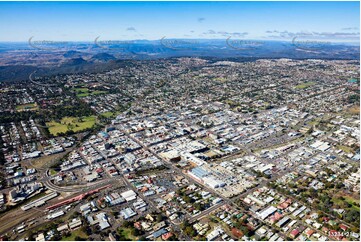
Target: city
[{"x": 183, "y": 148}]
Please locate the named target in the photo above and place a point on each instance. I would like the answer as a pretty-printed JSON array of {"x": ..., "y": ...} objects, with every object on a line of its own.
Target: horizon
[{"x": 199, "y": 39}]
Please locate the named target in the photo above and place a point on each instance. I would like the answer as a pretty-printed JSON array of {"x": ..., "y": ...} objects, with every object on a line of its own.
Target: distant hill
[
  {"x": 103, "y": 57},
  {"x": 72, "y": 54},
  {"x": 75, "y": 61}
]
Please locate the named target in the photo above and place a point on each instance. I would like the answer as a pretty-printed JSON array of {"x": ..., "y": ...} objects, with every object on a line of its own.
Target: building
[
  {"x": 127, "y": 213},
  {"x": 129, "y": 195},
  {"x": 171, "y": 156}
]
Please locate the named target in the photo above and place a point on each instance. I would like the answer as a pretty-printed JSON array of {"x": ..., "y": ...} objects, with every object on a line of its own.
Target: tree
[
  {"x": 135, "y": 232},
  {"x": 198, "y": 206},
  {"x": 159, "y": 218},
  {"x": 190, "y": 231},
  {"x": 244, "y": 230},
  {"x": 127, "y": 224},
  {"x": 188, "y": 199},
  {"x": 185, "y": 224},
  {"x": 142, "y": 238}
]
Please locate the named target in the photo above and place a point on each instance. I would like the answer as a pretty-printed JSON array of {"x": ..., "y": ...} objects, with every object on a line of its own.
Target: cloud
[
  {"x": 200, "y": 20},
  {"x": 314, "y": 34},
  {"x": 225, "y": 33},
  {"x": 338, "y": 34},
  {"x": 131, "y": 29},
  {"x": 210, "y": 32},
  {"x": 350, "y": 28},
  {"x": 233, "y": 34}
]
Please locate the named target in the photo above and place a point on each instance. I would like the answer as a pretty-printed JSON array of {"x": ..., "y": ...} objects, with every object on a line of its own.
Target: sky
[{"x": 85, "y": 21}]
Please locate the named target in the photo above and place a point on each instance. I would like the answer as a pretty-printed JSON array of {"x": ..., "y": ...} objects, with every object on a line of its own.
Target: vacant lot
[
  {"x": 71, "y": 123},
  {"x": 305, "y": 85},
  {"x": 354, "y": 109},
  {"x": 27, "y": 107}
]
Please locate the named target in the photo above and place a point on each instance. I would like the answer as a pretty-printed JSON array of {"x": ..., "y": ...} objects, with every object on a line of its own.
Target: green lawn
[
  {"x": 52, "y": 172},
  {"x": 305, "y": 85},
  {"x": 27, "y": 107},
  {"x": 71, "y": 123}
]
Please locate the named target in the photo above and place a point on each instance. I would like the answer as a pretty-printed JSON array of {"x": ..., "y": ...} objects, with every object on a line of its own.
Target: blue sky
[{"x": 84, "y": 21}]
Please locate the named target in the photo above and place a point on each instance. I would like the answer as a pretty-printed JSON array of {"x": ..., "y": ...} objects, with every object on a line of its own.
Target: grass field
[
  {"x": 84, "y": 92},
  {"x": 349, "y": 200},
  {"x": 127, "y": 233},
  {"x": 107, "y": 114},
  {"x": 110, "y": 114},
  {"x": 75, "y": 233},
  {"x": 71, "y": 123},
  {"x": 352, "y": 201},
  {"x": 345, "y": 148},
  {"x": 27, "y": 107},
  {"x": 305, "y": 85}
]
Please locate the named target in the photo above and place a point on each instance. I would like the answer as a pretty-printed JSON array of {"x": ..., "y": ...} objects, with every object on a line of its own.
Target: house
[
  {"x": 237, "y": 233},
  {"x": 166, "y": 236},
  {"x": 275, "y": 217},
  {"x": 343, "y": 227},
  {"x": 309, "y": 232},
  {"x": 294, "y": 233},
  {"x": 261, "y": 233},
  {"x": 218, "y": 231},
  {"x": 283, "y": 221},
  {"x": 159, "y": 225}
]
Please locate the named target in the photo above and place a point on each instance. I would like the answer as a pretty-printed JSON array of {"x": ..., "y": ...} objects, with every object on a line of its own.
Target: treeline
[
  {"x": 79, "y": 110},
  {"x": 7, "y": 117}
]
